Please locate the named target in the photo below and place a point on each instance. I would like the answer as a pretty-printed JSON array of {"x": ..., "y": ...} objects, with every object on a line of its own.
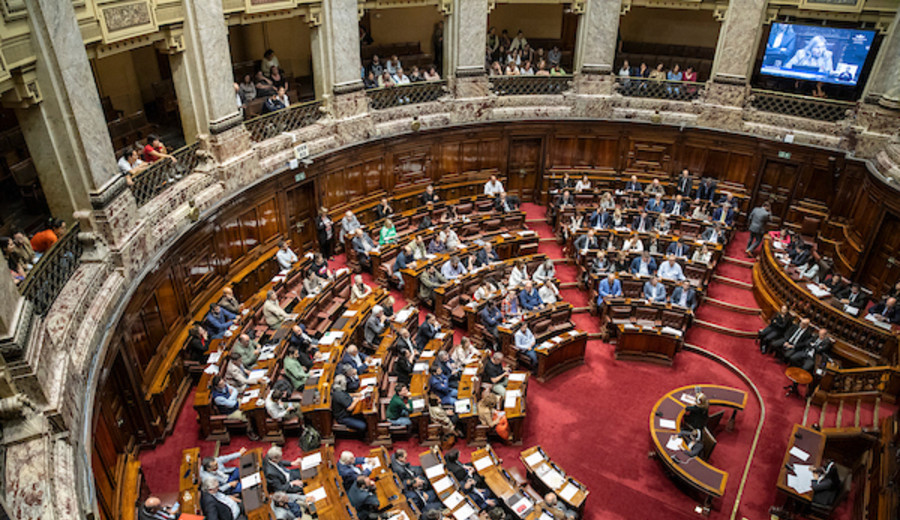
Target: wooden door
[
  {"x": 301, "y": 216},
  {"x": 524, "y": 167},
  {"x": 882, "y": 267},
  {"x": 776, "y": 185}
]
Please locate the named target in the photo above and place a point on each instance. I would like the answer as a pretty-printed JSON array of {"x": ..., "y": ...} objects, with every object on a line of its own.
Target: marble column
[
  {"x": 595, "y": 46},
  {"x": 738, "y": 38},
  {"x": 188, "y": 80},
  {"x": 10, "y": 302},
  {"x": 337, "y": 41},
  {"x": 883, "y": 86},
  {"x": 321, "y": 62},
  {"x": 468, "y": 34}
]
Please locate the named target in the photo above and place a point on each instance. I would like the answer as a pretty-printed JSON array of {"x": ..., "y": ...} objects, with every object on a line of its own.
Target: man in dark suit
[
  {"x": 678, "y": 249},
  {"x": 633, "y": 184},
  {"x": 655, "y": 204},
  {"x": 826, "y": 484},
  {"x": 677, "y": 207},
  {"x": 427, "y": 331},
  {"x": 278, "y": 472},
  {"x": 152, "y": 509},
  {"x": 853, "y": 296},
  {"x": 482, "y": 497},
  {"x": 428, "y": 196},
  {"x": 706, "y": 190},
  {"x": 642, "y": 223},
  {"x": 216, "y": 505},
  {"x": 724, "y": 215},
  {"x": 363, "y": 498},
  {"x": 383, "y": 209},
  {"x": 599, "y": 219},
  {"x": 714, "y": 234},
  {"x": 643, "y": 265},
  {"x": 566, "y": 199},
  {"x": 375, "y": 326},
  {"x": 406, "y": 472},
  {"x": 424, "y": 498},
  {"x": 796, "y": 337},
  {"x": 684, "y": 296},
  {"x": 801, "y": 254},
  {"x": 362, "y": 245},
  {"x": 504, "y": 204},
  {"x": 805, "y": 357},
  {"x": 685, "y": 183},
  {"x": 886, "y": 311},
  {"x": 491, "y": 318},
  {"x": 404, "y": 257},
  {"x": 586, "y": 242},
  {"x": 486, "y": 255}
]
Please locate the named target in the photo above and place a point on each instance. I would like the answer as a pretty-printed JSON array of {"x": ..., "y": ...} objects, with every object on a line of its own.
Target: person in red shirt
[
  {"x": 43, "y": 241},
  {"x": 155, "y": 150}
]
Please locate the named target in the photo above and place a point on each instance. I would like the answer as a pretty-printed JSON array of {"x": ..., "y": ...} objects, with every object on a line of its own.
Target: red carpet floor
[{"x": 592, "y": 420}]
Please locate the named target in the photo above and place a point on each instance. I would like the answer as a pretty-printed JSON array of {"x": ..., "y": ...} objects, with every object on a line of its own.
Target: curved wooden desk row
[
  {"x": 648, "y": 343},
  {"x": 446, "y": 486},
  {"x": 665, "y": 421},
  {"x": 858, "y": 340},
  {"x": 633, "y": 288},
  {"x": 544, "y": 323},
  {"x": 503, "y": 485},
  {"x": 254, "y": 498},
  {"x": 691, "y": 239},
  {"x": 469, "y": 207},
  {"x": 546, "y": 476}
]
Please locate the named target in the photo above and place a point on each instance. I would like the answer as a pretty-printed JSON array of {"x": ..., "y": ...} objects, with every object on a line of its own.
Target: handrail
[
  {"x": 288, "y": 119},
  {"x": 860, "y": 381},
  {"x": 530, "y": 85},
  {"x": 406, "y": 94},
  {"x": 52, "y": 271},
  {"x": 658, "y": 88},
  {"x": 164, "y": 173},
  {"x": 828, "y": 110}
]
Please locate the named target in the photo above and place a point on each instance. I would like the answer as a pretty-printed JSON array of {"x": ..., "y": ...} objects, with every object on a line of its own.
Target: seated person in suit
[
  {"x": 504, "y": 204},
  {"x": 692, "y": 442},
  {"x": 727, "y": 198},
  {"x": 383, "y": 209},
  {"x": 670, "y": 270},
  {"x": 609, "y": 287},
  {"x": 152, "y": 509},
  {"x": 714, "y": 234},
  {"x": 886, "y": 311},
  {"x": 287, "y": 506},
  {"x": 529, "y": 298},
  {"x": 304, "y": 343},
  {"x": 642, "y": 223},
  {"x": 826, "y": 484},
  {"x": 600, "y": 266},
  {"x": 486, "y": 255},
  {"x": 805, "y": 356},
  {"x": 229, "y": 302},
  {"x": 363, "y": 498},
  {"x": 655, "y": 204},
  {"x": 565, "y": 200},
  {"x": 355, "y": 358},
  {"x": 376, "y": 325},
  {"x": 654, "y": 291},
  {"x": 482, "y": 496},
  {"x": 678, "y": 248},
  {"x": 427, "y": 331},
  {"x": 677, "y": 207},
  {"x": 854, "y": 297},
  {"x": 449, "y": 367},
  {"x": 776, "y": 329},
  {"x": 403, "y": 469},
  {"x": 633, "y": 184},
  {"x": 705, "y": 191},
  {"x": 491, "y": 317},
  {"x": 430, "y": 279},
  {"x": 342, "y": 404},
  {"x": 279, "y": 473},
  {"x": 684, "y": 295},
  {"x": 565, "y": 182},
  {"x": 525, "y": 342},
  {"x": 362, "y": 245},
  {"x": 586, "y": 242},
  {"x": 428, "y": 196},
  {"x": 351, "y": 467},
  {"x": 439, "y": 383},
  {"x": 215, "y": 505},
  {"x": 835, "y": 283},
  {"x": 423, "y": 497},
  {"x": 643, "y": 265},
  {"x": 598, "y": 219},
  {"x": 228, "y": 479},
  {"x": 801, "y": 254},
  {"x": 217, "y": 320},
  {"x": 655, "y": 188},
  {"x": 797, "y": 336},
  {"x": 556, "y": 509}
]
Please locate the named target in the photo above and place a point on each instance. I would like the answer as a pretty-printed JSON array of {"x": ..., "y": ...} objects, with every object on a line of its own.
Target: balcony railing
[
  {"x": 827, "y": 110},
  {"x": 291, "y": 118},
  {"x": 658, "y": 89},
  {"x": 52, "y": 271},
  {"x": 529, "y": 85},
  {"x": 163, "y": 173},
  {"x": 409, "y": 94}
]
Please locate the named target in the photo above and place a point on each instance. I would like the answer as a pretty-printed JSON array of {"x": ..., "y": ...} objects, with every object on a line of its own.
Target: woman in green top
[
  {"x": 400, "y": 407},
  {"x": 388, "y": 233}
]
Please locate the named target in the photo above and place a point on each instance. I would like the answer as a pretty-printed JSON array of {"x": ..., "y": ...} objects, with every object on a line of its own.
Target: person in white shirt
[
  {"x": 702, "y": 255},
  {"x": 286, "y": 258},
  {"x": 544, "y": 272},
  {"x": 549, "y": 293},
  {"x": 283, "y": 97},
  {"x": 583, "y": 185},
  {"x": 525, "y": 344},
  {"x": 130, "y": 164},
  {"x": 670, "y": 270},
  {"x": 493, "y": 187},
  {"x": 519, "y": 42},
  {"x": 451, "y": 239},
  {"x": 453, "y": 268},
  {"x": 633, "y": 243},
  {"x": 393, "y": 65},
  {"x": 276, "y": 408},
  {"x": 399, "y": 77},
  {"x": 518, "y": 275}
]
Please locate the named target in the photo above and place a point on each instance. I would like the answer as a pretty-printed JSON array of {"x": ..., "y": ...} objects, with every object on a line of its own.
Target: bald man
[{"x": 154, "y": 510}]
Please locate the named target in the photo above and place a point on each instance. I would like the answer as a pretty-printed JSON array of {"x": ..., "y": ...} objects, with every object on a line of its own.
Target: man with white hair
[
  {"x": 279, "y": 474},
  {"x": 375, "y": 325},
  {"x": 670, "y": 270},
  {"x": 273, "y": 314},
  {"x": 152, "y": 509},
  {"x": 350, "y": 466},
  {"x": 349, "y": 224},
  {"x": 286, "y": 508},
  {"x": 216, "y": 505}
]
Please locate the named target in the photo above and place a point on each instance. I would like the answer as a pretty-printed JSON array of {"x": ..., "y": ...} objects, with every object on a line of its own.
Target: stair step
[
  {"x": 732, "y": 306},
  {"x": 822, "y": 414},
  {"x": 731, "y": 281},
  {"x": 535, "y": 220},
  {"x": 568, "y": 285},
  {"x": 580, "y": 309},
  {"x": 738, "y": 261},
  {"x": 725, "y": 330},
  {"x": 547, "y": 239}
]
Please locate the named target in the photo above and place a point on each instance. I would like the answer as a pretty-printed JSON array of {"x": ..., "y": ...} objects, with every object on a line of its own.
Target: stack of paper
[
  {"x": 211, "y": 369},
  {"x": 568, "y": 492},
  {"x": 674, "y": 443},
  {"x": 518, "y": 376},
  {"x": 482, "y": 463},
  {"x": 800, "y": 454},
  {"x": 214, "y": 357},
  {"x": 420, "y": 367},
  {"x": 317, "y": 494},
  {"x": 311, "y": 461},
  {"x": 442, "y": 485},
  {"x": 668, "y": 424},
  {"x": 534, "y": 459},
  {"x": 250, "y": 480},
  {"x": 434, "y": 471},
  {"x": 553, "y": 479}
]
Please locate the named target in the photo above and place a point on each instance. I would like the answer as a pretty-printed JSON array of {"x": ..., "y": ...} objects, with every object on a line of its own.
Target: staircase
[
  {"x": 844, "y": 415},
  {"x": 729, "y": 307}
]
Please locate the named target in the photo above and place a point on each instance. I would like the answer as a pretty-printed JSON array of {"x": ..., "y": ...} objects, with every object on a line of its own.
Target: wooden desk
[
  {"x": 560, "y": 353},
  {"x": 698, "y": 474},
  {"x": 255, "y": 498},
  {"x": 544, "y": 323},
  {"x": 388, "y": 487},
  {"x": 325, "y": 485},
  {"x": 546, "y": 476},
  {"x": 450, "y": 494},
  {"x": 487, "y": 464},
  {"x": 813, "y": 443},
  {"x": 647, "y": 343},
  {"x": 189, "y": 481}
]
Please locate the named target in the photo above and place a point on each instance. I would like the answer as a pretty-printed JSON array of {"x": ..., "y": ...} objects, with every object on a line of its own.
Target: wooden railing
[
  {"x": 858, "y": 340},
  {"x": 659, "y": 89},
  {"x": 879, "y": 381},
  {"x": 52, "y": 271},
  {"x": 808, "y": 107}
]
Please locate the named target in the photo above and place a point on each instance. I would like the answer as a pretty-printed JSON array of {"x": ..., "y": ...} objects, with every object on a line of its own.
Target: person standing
[
  {"x": 758, "y": 219},
  {"x": 325, "y": 233}
]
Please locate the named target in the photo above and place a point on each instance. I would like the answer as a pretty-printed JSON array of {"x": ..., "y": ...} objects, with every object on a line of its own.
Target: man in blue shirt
[
  {"x": 401, "y": 262},
  {"x": 609, "y": 287},
  {"x": 654, "y": 291},
  {"x": 529, "y": 297},
  {"x": 655, "y": 204},
  {"x": 644, "y": 265},
  {"x": 453, "y": 269},
  {"x": 217, "y": 320},
  {"x": 525, "y": 344}
]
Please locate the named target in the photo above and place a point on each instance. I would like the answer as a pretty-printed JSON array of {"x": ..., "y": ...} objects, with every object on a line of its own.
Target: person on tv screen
[
  {"x": 814, "y": 55},
  {"x": 780, "y": 47}
]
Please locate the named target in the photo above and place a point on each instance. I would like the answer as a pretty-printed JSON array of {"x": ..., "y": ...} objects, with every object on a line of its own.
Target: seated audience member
[
  {"x": 217, "y": 320},
  {"x": 632, "y": 244},
  {"x": 429, "y": 280},
  {"x": 247, "y": 89},
  {"x": 290, "y": 506},
  {"x": 599, "y": 219},
  {"x": 493, "y": 187},
  {"x": 263, "y": 85},
  {"x": 152, "y": 509},
  {"x": 273, "y": 314},
  {"x": 427, "y": 331},
  {"x": 465, "y": 352},
  {"x": 504, "y": 204},
  {"x": 399, "y": 77},
  {"x": 358, "y": 289},
  {"x": 491, "y": 317},
  {"x": 690, "y": 75},
  {"x": 228, "y": 480},
  {"x": 706, "y": 190},
  {"x": 586, "y": 242},
  {"x": 403, "y": 469},
  {"x": 625, "y": 69},
  {"x": 826, "y": 484},
  {"x": 215, "y": 504},
  {"x": 655, "y": 203},
  {"x": 428, "y": 195},
  {"x": 281, "y": 475},
  {"x": 809, "y": 270},
  {"x": 228, "y": 302},
  {"x": 486, "y": 255},
  {"x": 655, "y": 188},
  {"x": 342, "y": 403},
  {"x": 363, "y": 498},
  {"x": 633, "y": 184},
  {"x": 696, "y": 416},
  {"x": 350, "y": 468},
  {"x": 437, "y": 245},
  {"x": 362, "y": 245},
  {"x": 554, "y": 56},
  {"x": 482, "y": 496},
  {"x": 349, "y": 224},
  {"x": 376, "y": 325},
  {"x": 525, "y": 342},
  {"x": 678, "y": 249},
  {"x": 529, "y": 298},
  {"x": 854, "y": 297},
  {"x": 835, "y": 284},
  {"x": 403, "y": 367},
  {"x": 415, "y": 76},
  {"x": 670, "y": 270},
  {"x": 496, "y": 374},
  {"x": 385, "y": 80},
  {"x": 294, "y": 370},
  {"x": 642, "y": 223},
  {"x": 269, "y": 61},
  {"x": 274, "y": 102},
  {"x": 489, "y": 415},
  {"x": 197, "y": 343},
  {"x": 388, "y": 233},
  {"x": 17, "y": 265},
  {"x": 545, "y": 272},
  {"x": 894, "y": 292},
  {"x": 701, "y": 212},
  {"x": 235, "y": 373},
  {"x": 556, "y": 509},
  {"x": 565, "y": 182},
  {"x": 796, "y": 336},
  {"x": 130, "y": 164},
  {"x": 643, "y": 265},
  {"x": 804, "y": 356},
  {"x": 714, "y": 234},
  {"x": 677, "y": 207},
  {"x": 384, "y": 209},
  {"x": 453, "y": 268},
  {"x": 285, "y": 256},
  {"x": 431, "y": 74},
  {"x": 662, "y": 225},
  {"x": 654, "y": 291},
  {"x": 583, "y": 185},
  {"x": 400, "y": 407},
  {"x": 439, "y": 383},
  {"x": 776, "y": 328},
  {"x": 42, "y": 241},
  {"x": 702, "y": 256},
  {"x": 684, "y": 296},
  {"x": 658, "y": 73},
  {"x": 886, "y": 311},
  {"x": 693, "y": 444},
  {"x": 724, "y": 214},
  {"x": 549, "y": 293}
]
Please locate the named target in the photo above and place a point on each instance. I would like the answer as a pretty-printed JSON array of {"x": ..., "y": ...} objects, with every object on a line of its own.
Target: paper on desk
[
  {"x": 316, "y": 372},
  {"x": 464, "y": 512},
  {"x": 557, "y": 339},
  {"x": 349, "y": 314},
  {"x": 800, "y": 454},
  {"x": 250, "y": 480},
  {"x": 256, "y": 375},
  {"x": 671, "y": 331},
  {"x": 403, "y": 315},
  {"x": 427, "y": 354},
  {"x": 674, "y": 443},
  {"x": 211, "y": 369},
  {"x": 470, "y": 371},
  {"x": 311, "y": 461},
  {"x": 568, "y": 492},
  {"x": 522, "y": 505},
  {"x": 252, "y": 393},
  {"x": 553, "y": 479},
  {"x": 317, "y": 494},
  {"x": 514, "y": 393},
  {"x": 266, "y": 356},
  {"x": 434, "y": 471},
  {"x": 518, "y": 376},
  {"x": 462, "y": 406},
  {"x": 246, "y": 399},
  {"x": 420, "y": 367},
  {"x": 483, "y": 462},
  {"x": 546, "y": 516},
  {"x": 817, "y": 291},
  {"x": 630, "y": 326},
  {"x": 510, "y": 401},
  {"x": 214, "y": 357},
  {"x": 440, "y": 335},
  {"x": 453, "y": 500},
  {"x": 849, "y": 309},
  {"x": 668, "y": 424},
  {"x": 534, "y": 459},
  {"x": 689, "y": 399},
  {"x": 418, "y": 403},
  {"x": 442, "y": 484},
  {"x": 369, "y": 381}
]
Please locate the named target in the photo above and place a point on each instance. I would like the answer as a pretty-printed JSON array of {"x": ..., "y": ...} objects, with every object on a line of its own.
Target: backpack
[{"x": 310, "y": 439}]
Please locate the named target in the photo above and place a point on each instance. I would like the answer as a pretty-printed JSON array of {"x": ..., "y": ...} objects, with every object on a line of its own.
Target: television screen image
[{"x": 816, "y": 53}]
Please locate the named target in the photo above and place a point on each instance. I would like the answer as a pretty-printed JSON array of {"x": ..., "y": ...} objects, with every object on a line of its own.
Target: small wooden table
[{"x": 797, "y": 376}]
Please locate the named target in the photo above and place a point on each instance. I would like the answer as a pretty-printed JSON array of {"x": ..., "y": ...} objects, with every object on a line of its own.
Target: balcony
[
  {"x": 826, "y": 110},
  {"x": 52, "y": 271},
  {"x": 530, "y": 85},
  {"x": 409, "y": 94},
  {"x": 291, "y": 118},
  {"x": 658, "y": 89}
]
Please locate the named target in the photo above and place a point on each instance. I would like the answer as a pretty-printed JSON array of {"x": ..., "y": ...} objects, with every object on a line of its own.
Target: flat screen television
[{"x": 816, "y": 53}]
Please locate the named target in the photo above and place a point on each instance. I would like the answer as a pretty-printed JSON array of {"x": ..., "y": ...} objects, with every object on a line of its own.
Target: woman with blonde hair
[{"x": 490, "y": 416}]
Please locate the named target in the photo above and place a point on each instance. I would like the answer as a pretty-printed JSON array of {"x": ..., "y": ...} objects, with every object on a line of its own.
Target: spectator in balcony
[
  {"x": 643, "y": 71},
  {"x": 554, "y": 56},
  {"x": 625, "y": 69},
  {"x": 437, "y": 42},
  {"x": 527, "y": 53},
  {"x": 393, "y": 64},
  {"x": 689, "y": 75},
  {"x": 385, "y": 80},
  {"x": 658, "y": 74},
  {"x": 539, "y": 56},
  {"x": 512, "y": 69},
  {"x": 41, "y": 242},
  {"x": 282, "y": 95},
  {"x": 269, "y": 60},
  {"x": 364, "y": 37},
  {"x": 505, "y": 40},
  {"x": 542, "y": 69},
  {"x": 130, "y": 164},
  {"x": 526, "y": 69},
  {"x": 496, "y": 70},
  {"x": 247, "y": 89},
  {"x": 376, "y": 67},
  {"x": 431, "y": 74},
  {"x": 519, "y": 42},
  {"x": 264, "y": 86},
  {"x": 399, "y": 77},
  {"x": 155, "y": 150},
  {"x": 278, "y": 81},
  {"x": 493, "y": 42},
  {"x": 556, "y": 70},
  {"x": 674, "y": 75},
  {"x": 23, "y": 248},
  {"x": 818, "y": 92},
  {"x": 370, "y": 81},
  {"x": 17, "y": 264},
  {"x": 273, "y": 104},
  {"x": 415, "y": 76}
]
